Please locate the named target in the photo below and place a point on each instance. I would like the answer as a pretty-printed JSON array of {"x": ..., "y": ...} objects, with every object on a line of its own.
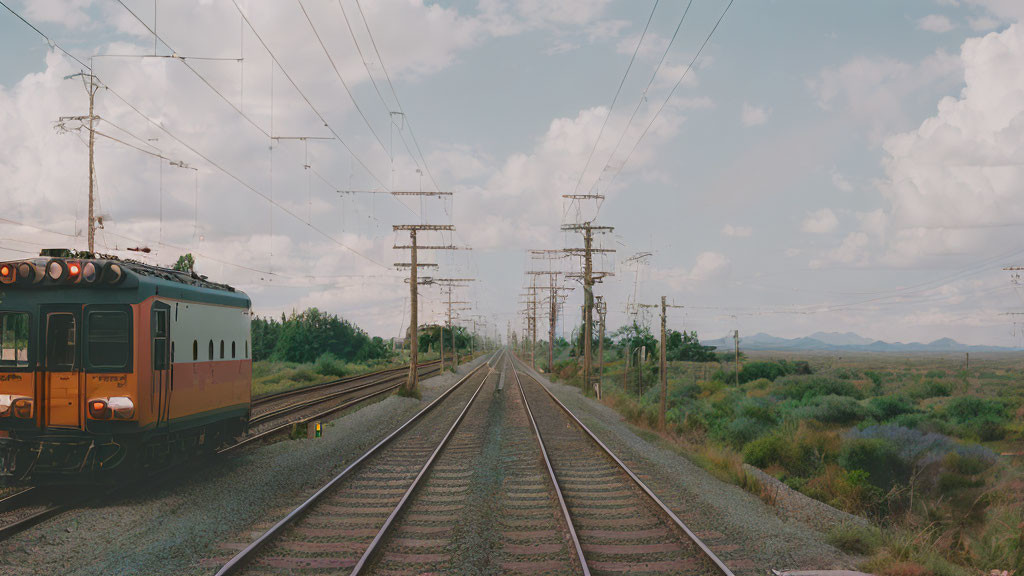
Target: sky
[{"x": 816, "y": 166}]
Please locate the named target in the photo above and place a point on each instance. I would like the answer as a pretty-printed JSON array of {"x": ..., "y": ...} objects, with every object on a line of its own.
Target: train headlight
[
  {"x": 23, "y": 408},
  {"x": 117, "y": 407},
  {"x": 98, "y": 409},
  {"x": 122, "y": 407},
  {"x": 27, "y": 272},
  {"x": 113, "y": 274},
  {"x": 57, "y": 270},
  {"x": 7, "y": 274},
  {"x": 74, "y": 271},
  {"x": 91, "y": 272}
]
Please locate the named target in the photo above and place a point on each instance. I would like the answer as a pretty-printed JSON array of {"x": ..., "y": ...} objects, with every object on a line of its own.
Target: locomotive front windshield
[
  {"x": 14, "y": 339},
  {"x": 109, "y": 345}
]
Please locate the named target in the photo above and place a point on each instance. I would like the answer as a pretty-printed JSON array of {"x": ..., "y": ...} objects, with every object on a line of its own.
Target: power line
[
  {"x": 671, "y": 92},
  {"x": 617, "y": 92},
  {"x": 338, "y": 74}
]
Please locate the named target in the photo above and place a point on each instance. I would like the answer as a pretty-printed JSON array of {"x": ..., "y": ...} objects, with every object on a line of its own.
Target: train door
[
  {"x": 160, "y": 345},
  {"x": 62, "y": 331}
]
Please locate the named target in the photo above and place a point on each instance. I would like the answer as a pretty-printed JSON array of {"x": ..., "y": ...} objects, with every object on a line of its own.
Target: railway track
[
  {"x": 618, "y": 525},
  {"x": 512, "y": 484},
  {"x": 273, "y": 414},
  {"x": 341, "y": 526}
]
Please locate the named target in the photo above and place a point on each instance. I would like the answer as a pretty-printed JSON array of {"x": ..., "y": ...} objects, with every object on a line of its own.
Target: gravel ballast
[
  {"x": 703, "y": 502},
  {"x": 177, "y": 528}
]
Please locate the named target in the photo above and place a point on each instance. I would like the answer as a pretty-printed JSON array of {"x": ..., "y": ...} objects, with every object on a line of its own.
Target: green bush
[
  {"x": 930, "y": 389},
  {"x": 329, "y": 365},
  {"x": 765, "y": 451},
  {"x": 834, "y": 409},
  {"x": 755, "y": 370},
  {"x": 807, "y": 387},
  {"x": 978, "y": 418},
  {"x": 742, "y": 430},
  {"x": 889, "y": 407},
  {"x": 878, "y": 458}
]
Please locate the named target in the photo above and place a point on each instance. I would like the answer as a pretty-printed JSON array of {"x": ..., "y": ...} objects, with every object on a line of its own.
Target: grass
[{"x": 271, "y": 377}]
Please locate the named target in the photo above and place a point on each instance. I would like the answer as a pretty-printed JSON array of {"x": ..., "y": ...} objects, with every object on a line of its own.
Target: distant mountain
[{"x": 849, "y": 342}]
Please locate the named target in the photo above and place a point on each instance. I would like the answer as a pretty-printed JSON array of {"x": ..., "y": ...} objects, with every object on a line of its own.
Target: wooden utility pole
[
  {"x": 411, "y": 385},
  {"x": 448, "y": 285},
  {"x": 662, "y": 362},
  {"x": 92, "y": 87},
  {"x": 589, "y": 278},
  {"x": 602, "y": 310},
  {"x": 736, "y": 342}
]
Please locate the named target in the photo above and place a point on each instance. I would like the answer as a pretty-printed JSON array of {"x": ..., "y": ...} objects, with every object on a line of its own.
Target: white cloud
[
  {"x": 68, "y": 13},
  {"x": 820, "y": 222},
  {"x": 754, "y": 115},
  {"x": 852, "y": 250},
  {"x": 935, "y": 23},
  {"x": 951, "y": 182},
  {"x": 737, "y": 231},
  {"x": 707, "y": 268},
  {"x": 841, "y": 182},
  {"x": 873, "y": 92}
]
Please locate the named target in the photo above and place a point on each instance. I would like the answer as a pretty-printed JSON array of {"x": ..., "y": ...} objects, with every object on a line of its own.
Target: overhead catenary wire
[
  {"x": 618, "y": 91},
  {"x": 670, "y": 94}
]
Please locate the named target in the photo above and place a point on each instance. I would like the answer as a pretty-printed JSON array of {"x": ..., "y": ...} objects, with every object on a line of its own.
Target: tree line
[{"x": 305, "y": 336}]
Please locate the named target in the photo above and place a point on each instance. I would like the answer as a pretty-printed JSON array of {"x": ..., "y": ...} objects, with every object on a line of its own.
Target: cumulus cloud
[
  {"x": 707, "y": 268},
  {"x": 754, "y": 115},
  {"x": 935, "y": 23},
  {"x": 956, "y": 176},
  {"x": 873, "y": 91},
  {"x": 841, "y": 182},
  {"x": 737, "y": 231},
  {"x": 820, "y": 222}
]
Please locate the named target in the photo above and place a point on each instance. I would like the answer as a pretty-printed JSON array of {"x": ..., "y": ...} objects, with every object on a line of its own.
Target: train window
[
  {"x": 210, "y": 354},
  {"x": 61, "y": 331},
  {"x": 221, "y": 349},
  {"x": 195, "y": 350},
  {"x": 232, "y": 348},
  {"x": 109, "y": 341},
  {"x": 14, "y": 339},
  {"x": 160, "y": 325}
]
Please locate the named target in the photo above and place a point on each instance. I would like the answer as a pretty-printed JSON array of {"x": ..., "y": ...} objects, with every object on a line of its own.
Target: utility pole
[
  {"x": 736, "y": 342},
  {"x": 602, "y": 310},
  {"x": 448, "y": 285},
  {"x": 662, "y": 362},
  {"x": 412, "y": 383},
  {"x": 92, "y": 87},
  {"x": 589, "y": 278}
]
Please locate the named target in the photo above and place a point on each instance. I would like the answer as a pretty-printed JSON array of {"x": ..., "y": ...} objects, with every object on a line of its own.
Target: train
[{"x": 111, "y": 367}]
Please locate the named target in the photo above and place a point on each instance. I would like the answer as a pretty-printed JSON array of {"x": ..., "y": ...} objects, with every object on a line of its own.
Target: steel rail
[
  {"x": 246, "y": 554},
  {"x": 11, "y": 500},
  {"x": 640, "y": 483},
  {"x": 554, "y": 479},
  {"x": 287, "y": 409},
  {"x": 364, "y": 560},
  {"x": 13, "y": 528}
]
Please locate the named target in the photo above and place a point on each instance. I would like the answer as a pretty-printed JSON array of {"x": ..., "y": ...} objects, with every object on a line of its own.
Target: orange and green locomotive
[{"x": 110, "y": 365}]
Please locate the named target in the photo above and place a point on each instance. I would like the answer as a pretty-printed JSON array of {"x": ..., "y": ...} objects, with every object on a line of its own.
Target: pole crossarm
[
  {"x": 407, "y": 193},
  {"x": 408, "y": 227},
  {"x": 418, "y": 265},
  {"x": 429, "y": 247},
  {"x": 586, "y": 226},
  {"x": 584, "y": 196}
]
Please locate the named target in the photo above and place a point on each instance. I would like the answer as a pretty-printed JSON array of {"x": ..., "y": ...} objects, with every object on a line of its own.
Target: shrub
[
  {"x": 834, "y": 409},
  {"x": 765, "y": 451},
  {"x": 978, "y": 418},
  {"x": 807, "y": 387},
  {"x": 930, "y": 389},
  {"x": 889, "y": 407},
  {"x": 742, "y": 430},
  {"x": 755, "y": 370},
  {"x": 878, "y": 458},
  {"x": 329, "y": 365}
]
